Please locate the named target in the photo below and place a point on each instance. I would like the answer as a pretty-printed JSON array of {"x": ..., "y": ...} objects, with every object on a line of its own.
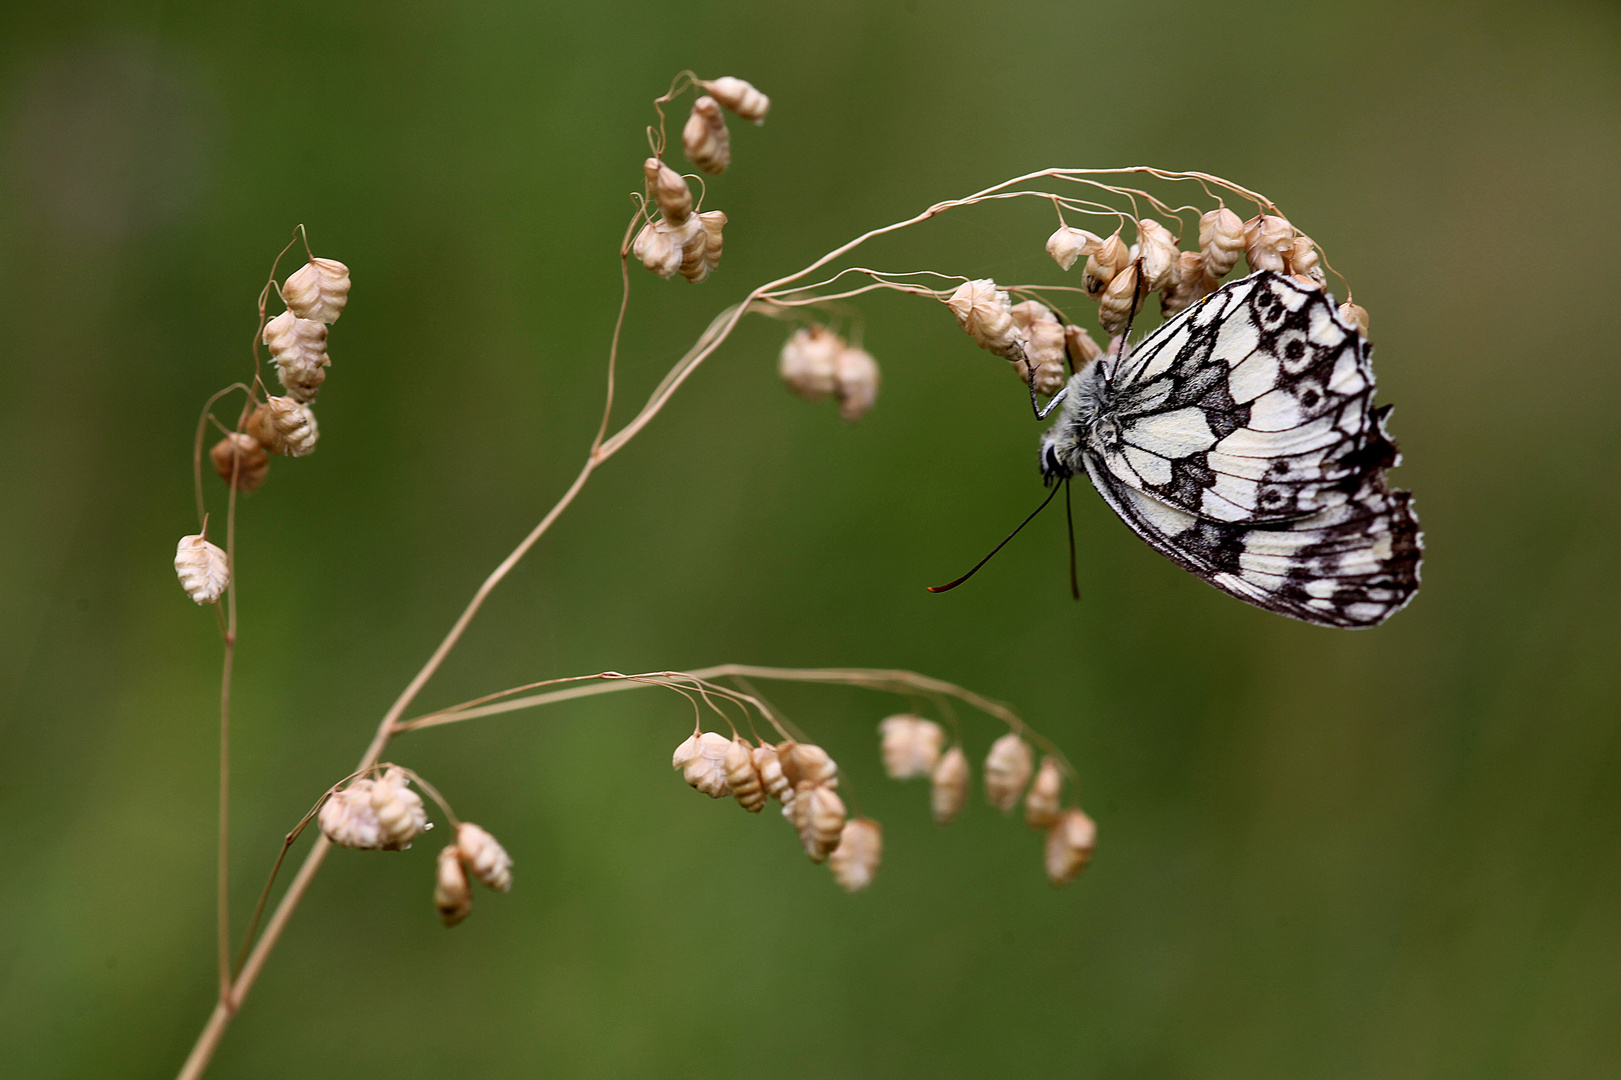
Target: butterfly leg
[{"x": 1052, "y": 402}]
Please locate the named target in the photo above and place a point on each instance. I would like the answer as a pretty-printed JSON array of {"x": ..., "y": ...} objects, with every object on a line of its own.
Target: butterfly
[{"x": 1239, "y": 439}]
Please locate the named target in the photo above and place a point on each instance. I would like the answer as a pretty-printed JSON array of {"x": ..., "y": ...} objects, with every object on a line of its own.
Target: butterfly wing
[
  {"x": 1352, "y": 565},
  {"x": 1252, "y": 406},
  {"x": 1239, "y": 440}
]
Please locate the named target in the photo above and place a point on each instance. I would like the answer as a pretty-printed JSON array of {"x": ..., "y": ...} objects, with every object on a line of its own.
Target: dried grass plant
[{"x": 760, "y": 754}]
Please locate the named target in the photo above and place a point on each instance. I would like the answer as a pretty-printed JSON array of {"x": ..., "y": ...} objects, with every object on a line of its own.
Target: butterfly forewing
[
  {"x": 1252, "y": 406},
  {"x": 1239, "y": 440}
]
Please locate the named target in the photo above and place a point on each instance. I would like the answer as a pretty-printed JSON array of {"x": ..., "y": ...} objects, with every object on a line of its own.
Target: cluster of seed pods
[
  {"x": 804, "y": 779},
  {"x": 315, "y": 295},
  {"x": 912, "y": 746},
  {"x": 816, "y": 363},
  {"x": 382, "y": 813},
  {"x": 1121, "y": 277}
]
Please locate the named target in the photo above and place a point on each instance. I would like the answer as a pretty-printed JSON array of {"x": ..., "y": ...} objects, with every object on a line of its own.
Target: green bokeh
[{"x": 1391, "y": 853}]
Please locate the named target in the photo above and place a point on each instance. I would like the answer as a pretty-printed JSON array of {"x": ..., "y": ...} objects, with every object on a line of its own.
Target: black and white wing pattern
[{"x": 1239, "y": 439}]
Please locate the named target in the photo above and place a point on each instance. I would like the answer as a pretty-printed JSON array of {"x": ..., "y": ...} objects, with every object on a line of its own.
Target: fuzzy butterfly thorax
[{"x": 1239, "y": 439}]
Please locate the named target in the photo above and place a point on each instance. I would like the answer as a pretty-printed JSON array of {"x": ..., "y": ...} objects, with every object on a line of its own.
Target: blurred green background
[{"x": 1323, "y": 854}]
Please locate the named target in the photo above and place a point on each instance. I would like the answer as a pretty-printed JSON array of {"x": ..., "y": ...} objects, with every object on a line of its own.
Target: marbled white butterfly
[{"x": 1240, "y": 441}]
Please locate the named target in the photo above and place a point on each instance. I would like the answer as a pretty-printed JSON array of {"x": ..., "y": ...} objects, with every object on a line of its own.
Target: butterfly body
[{"x": 1239, "y": 439}]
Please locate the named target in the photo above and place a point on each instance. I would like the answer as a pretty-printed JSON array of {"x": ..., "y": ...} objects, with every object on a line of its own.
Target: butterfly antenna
[
  {"x": 998, "y": 547},
  {"x": 1069, "y": 516}
]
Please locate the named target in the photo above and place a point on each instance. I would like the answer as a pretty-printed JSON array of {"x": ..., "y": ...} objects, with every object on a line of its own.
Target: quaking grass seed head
[
  {"x": 1007, "y": 770},
  {"x": 669, "y": 190},
  {"x": 452, "y": 895},
  {"x": 855, "y": 859},
  {"x": 657, "y": 250},
  {"x": 770, "y": 769},
  {"x": 909, "y": 745},
  {"x": 1268, "y": 239},
  {"x": 1354, "y": 315},
  {"x": 486, "y": 859},
  {"x": 702, "y": 761},
  {"x": 1070, "y": 842},
  {"x": 318, "y": 290},
  {"x": 1156, "y": 247},
  {"x": 985, "y": 312},
  {"x": 948, "y": 786},
  {"x": 1043, "y": 346},
  {"x": 739, "y": 96},
  {"x": 1068, "y": 245},
  {"x": 855, "y": 376},
  {"x": 817, "y": 814},
  {"x": 203, "y": 569},
  {"x": 804, "y": 762},
  {"x": 809, "y": 362},
  {"x": 705, "y": 139},
  {"x": 743, "y": 778},
  {"x": 1111, "y": 257},
  {"x": 348, "y": 819},
  {"x": 1041, "y": 802},
  {"x": 1122, "y": 298},
  {"x": 283, "y": 426},
  {"x": 240, "y": 454},
  {"x": 1221, "y": 241},
  {"x": 398, "y": 811}
]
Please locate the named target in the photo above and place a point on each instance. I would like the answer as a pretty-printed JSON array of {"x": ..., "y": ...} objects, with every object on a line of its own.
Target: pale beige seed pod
[
  {"x": 702, "y": 761},
  {"x": 203, "y": 569},
  {"x": 348, "y": 820},
  {"x": 302, "y": 382},
  {"x": 317, "y": 290},
  {"x": 299, "y": 349},
  {"x": 1044, "y": 348},
  {"x": 1305, "y": 262},
  {"x": 743, "y": 777},
  {"x": 694, "y": 243},
  {"x": 1156, "y": 247},
  {"x": 1007, "y": 770},
  {"x": 1070, "y": 842},
  {"x": 739, "y": 96},
  {"x": 400, "y": 814},
  {"x": 807, "y": 763},
  {"x": 809, "y": 362},
  {"x": 1354, "y": 315},
  {"x": 1081, "y": 346},
  {"x": 1189, "y": 284},
  {"x": 1111, "y": 257},
  {"x": 1041, "y": 801},
  {"x": 855, "y": 376},
  {"x": 909, "y": 745},
  {"x": 657, "y": 250},
  {"x": 705, "y": 139},
  {"x": 860, "y": 849},
  {"x": 985, "y": 312},
  {"x": 714, "y": 221},
  {"x": 669, "y": 189},
  {"x": 818, "y": 816},
  {"x": 1267, "y": 240},
  {"x": 1069, "y": 244},
  {"x": 948, "y": 786},
  {"x": 770, "y": 769},
  {"x": 486, "y": 859},
  {"x": 1221, "y": 241},
  {"x": 283, "y": 426},
  {"x": 240, "y": 454},
  {"x": 1116, "y": 307},
  {"x": 452, "y": 895}
]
